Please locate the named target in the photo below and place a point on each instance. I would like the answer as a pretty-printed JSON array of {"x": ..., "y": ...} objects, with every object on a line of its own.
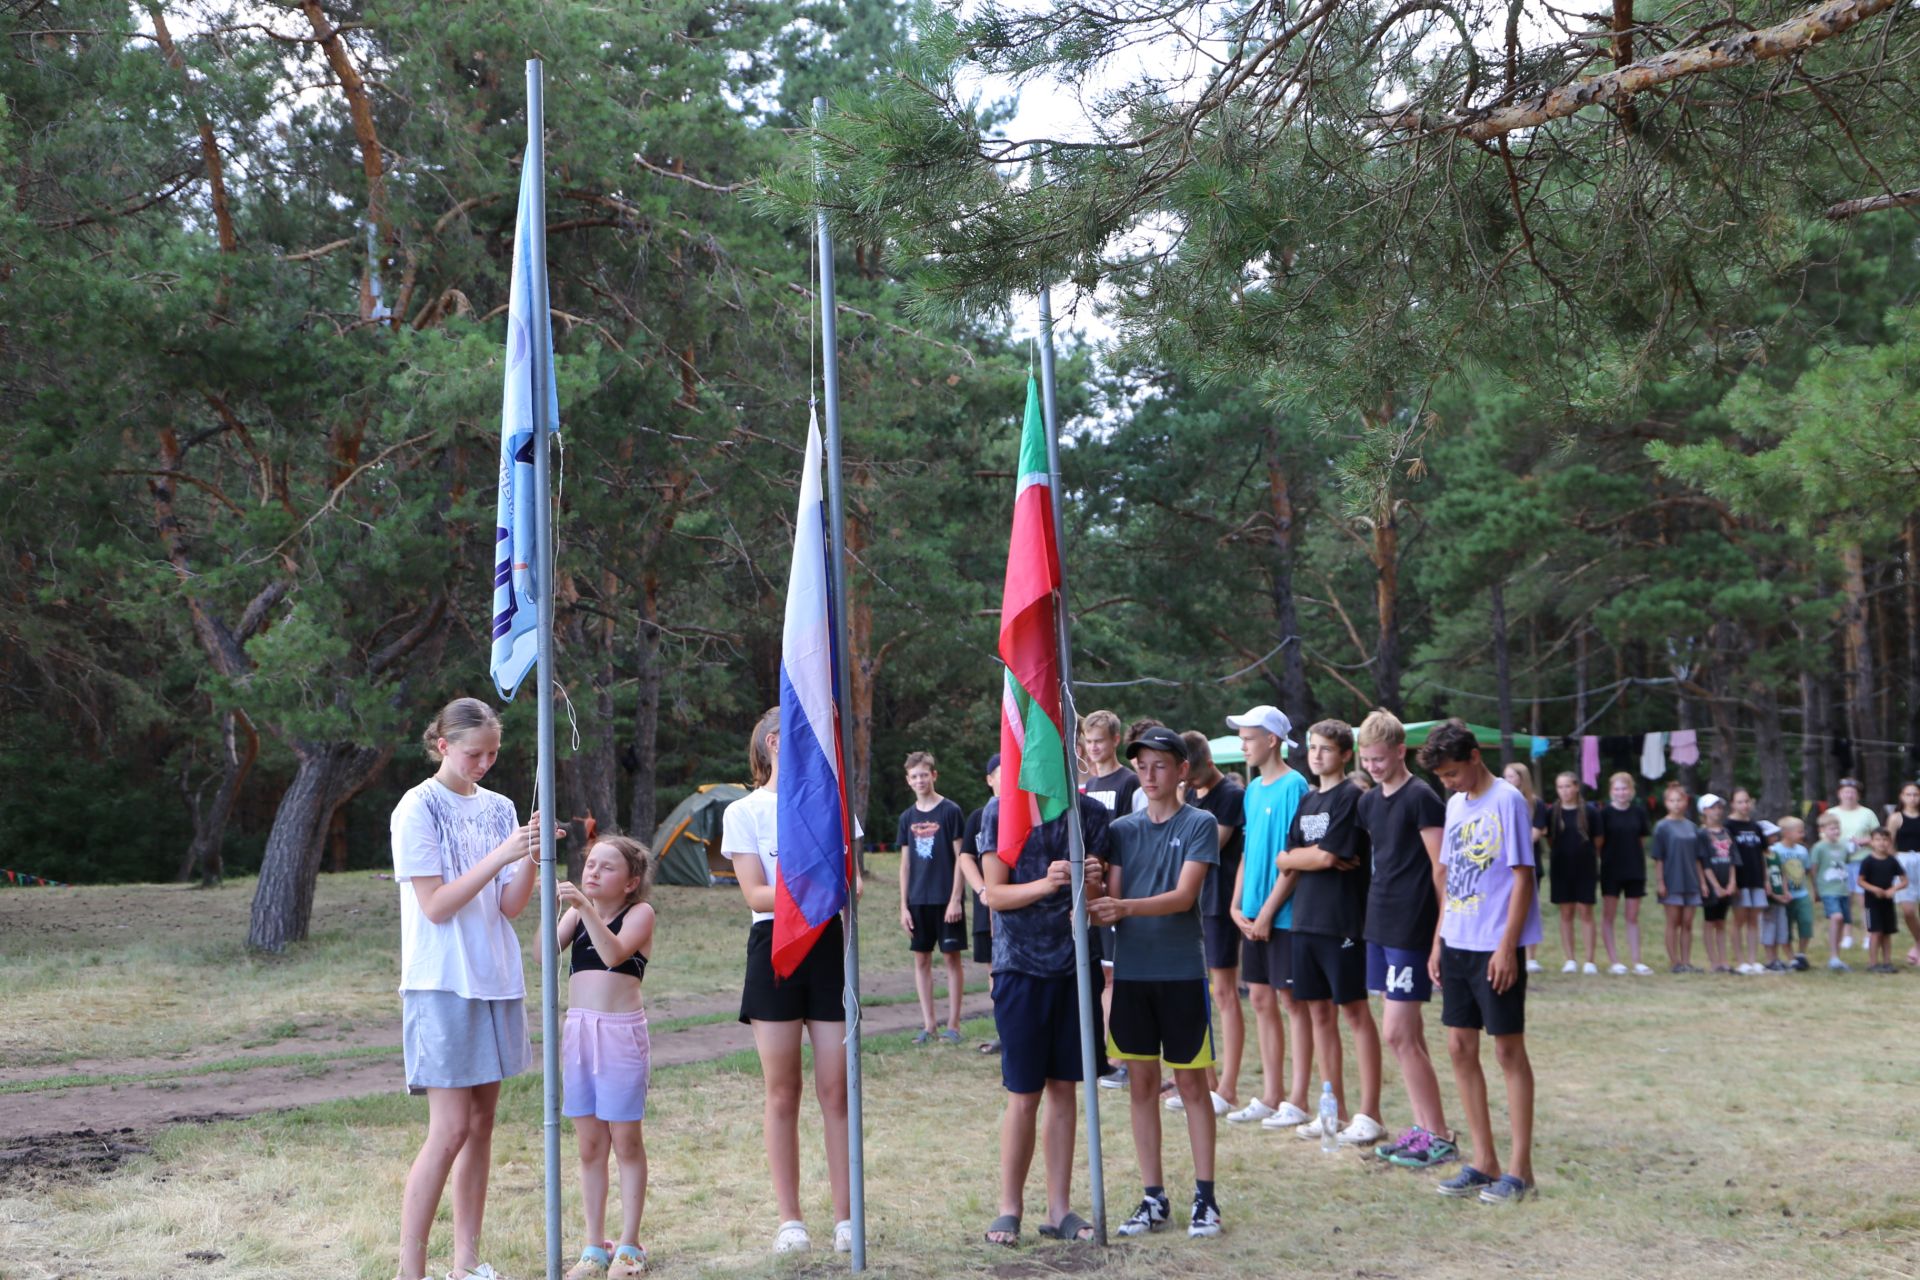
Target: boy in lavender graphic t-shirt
[{"x": 1489, "y": 911}]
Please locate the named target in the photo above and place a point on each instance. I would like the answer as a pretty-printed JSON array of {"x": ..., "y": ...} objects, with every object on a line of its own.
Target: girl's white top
[
  {"x": 750, "y": 826},
  {"x": 439, "y": 832}
]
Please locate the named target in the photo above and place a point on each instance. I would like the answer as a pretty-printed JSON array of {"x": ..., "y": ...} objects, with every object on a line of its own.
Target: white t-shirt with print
[
  {"x": 750, "y": 828},
  {"x": 439, "y": 832}
]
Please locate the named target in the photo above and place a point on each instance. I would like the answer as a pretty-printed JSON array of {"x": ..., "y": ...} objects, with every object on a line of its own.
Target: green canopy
[
  {"x": 1525, "y": 743},
  {"x": 1227, "y": 750}
]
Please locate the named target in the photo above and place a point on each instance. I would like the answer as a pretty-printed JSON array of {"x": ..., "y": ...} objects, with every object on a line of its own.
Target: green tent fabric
[
  {"x": 1227, "y": 750},
  {"x": 687, "y": 843},
  {"x": 1525, "y": 743}
]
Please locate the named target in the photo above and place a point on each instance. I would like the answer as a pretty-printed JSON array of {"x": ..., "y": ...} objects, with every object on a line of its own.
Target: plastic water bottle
[{"x": 1329, "y": 1118}]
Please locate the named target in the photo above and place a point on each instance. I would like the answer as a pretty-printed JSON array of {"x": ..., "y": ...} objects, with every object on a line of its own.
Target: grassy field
[{"x": 1736, "y": 1127}]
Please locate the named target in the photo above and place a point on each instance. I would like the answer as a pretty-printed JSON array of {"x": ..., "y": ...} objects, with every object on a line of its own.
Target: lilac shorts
[{"x": 604, "y": 1064}]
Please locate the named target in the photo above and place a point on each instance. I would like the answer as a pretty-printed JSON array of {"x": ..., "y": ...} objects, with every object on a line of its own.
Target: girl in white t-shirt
[
  {"x": 464, "y": 865},
  {"x": 812, "y": 997}
]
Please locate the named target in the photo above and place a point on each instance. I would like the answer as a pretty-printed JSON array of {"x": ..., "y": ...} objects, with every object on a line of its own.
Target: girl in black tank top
[
  {"x": 605, "y": 1051},
  {"x": 1906, "y": 823}
]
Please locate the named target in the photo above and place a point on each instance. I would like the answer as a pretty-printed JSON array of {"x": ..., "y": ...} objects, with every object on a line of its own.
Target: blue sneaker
[
  {"x": 1508, "y": 1190},
  {"x": 1468, "y": 1182},
  {"x": 1425, "y": 1151}
]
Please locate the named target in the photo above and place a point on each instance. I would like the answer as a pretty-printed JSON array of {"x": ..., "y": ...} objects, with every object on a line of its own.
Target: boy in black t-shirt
[
  {"x": 1223, "y": 799},
  {"x": 1405, "y": 822},
  {"x": 1330, "y": 850},
  {"x": 971, "y": 847},
  {"x": 932, "y": 909},
  {"x": 1881, "y": 878},
  {"x": 1113, "y": 785}
]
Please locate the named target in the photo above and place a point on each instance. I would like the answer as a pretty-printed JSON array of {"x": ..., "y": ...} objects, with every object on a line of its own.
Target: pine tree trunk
[
  {"x": 1776, "y": 777},
  {"x": 645, "y": 757},
  {"x": 1860, "y": 674},
  {"x": 1502, "y": 672},
  {"x": 1813, "y": 727},
  {"x": 239, "y": 748},
  {"x": 327, "y": 774},
  {"x": 1386, "y": 562},
  {"x": 1294, "y": 693}
]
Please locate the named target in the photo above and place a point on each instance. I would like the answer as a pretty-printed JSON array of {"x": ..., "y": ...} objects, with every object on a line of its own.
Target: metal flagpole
[
  {"x": 542, "y": 336},
  {"x": 830, "y": 393},
  {"x": 1076, "y": 837}
]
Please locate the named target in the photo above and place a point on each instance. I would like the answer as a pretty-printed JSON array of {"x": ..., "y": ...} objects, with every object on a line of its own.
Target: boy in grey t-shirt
[{"x": 1159, "y": 862}]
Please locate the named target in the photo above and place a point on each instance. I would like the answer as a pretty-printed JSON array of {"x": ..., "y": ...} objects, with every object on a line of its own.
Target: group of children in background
[{"x": 1309, "y": 890}]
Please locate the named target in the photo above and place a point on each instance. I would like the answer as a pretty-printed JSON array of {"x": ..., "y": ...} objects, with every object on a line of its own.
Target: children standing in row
[
  {"x": 1716, "y": 880},
  {"x": 1792, "y": 855},
  {"x": 1624, "y": 828},
  {"x": 1833, "y": 881},
  {"x": 1677, "y": 876},
  {"x": 1573, "y": 832}
]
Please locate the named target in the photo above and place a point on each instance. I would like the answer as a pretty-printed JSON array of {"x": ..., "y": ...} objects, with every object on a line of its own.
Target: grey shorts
[
  {"x": 1773, "y": 926},
  {"x": 1755, "y": 898},
  {"x": 1681, "y": 900},
  {"x": 452, "y": 1042}
]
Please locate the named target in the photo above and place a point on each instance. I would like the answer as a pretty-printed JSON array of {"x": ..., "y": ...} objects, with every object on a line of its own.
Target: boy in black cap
[{"x": 1159, "y": 859}]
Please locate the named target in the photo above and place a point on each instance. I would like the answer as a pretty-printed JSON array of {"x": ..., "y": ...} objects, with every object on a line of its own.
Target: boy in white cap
[{"x": 1260, "y": 908}]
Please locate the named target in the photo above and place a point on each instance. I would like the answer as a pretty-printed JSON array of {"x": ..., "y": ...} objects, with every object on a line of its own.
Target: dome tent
[{"x": 687, "y": 843}]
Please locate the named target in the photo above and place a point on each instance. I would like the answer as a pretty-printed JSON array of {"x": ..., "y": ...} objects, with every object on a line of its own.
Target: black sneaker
[
  {"x": 1152, "y": 1215},
  {"x": 1800, "y": 964},
  {"x": 1205, "y": 1221}
]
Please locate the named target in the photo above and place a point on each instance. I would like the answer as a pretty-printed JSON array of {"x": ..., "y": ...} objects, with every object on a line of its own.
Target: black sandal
[
  {"x": 1069, "y": 1229},
  {"x": 1007, "y": 1224}
]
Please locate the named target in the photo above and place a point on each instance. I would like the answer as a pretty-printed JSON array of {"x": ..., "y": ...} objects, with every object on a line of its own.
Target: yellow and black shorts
[{"x": 1165, "y": 1021}]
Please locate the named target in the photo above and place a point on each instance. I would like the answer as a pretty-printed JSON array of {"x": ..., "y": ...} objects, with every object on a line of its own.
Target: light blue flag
[{"x": 516, "y": 590}]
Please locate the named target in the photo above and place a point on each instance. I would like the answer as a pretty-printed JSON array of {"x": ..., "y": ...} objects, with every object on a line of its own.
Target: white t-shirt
[
  {"x": 750, "y": 827},
  {"x": 476, "y": 954}
]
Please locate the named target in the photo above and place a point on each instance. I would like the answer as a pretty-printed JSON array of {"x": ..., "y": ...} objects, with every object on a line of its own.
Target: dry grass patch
[{"x": 1712, "y": 1128}]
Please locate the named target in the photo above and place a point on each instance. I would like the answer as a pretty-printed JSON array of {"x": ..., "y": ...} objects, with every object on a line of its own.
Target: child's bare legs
[
  {"x": 450, "y": 1125},
  {"x": 1202, "y": 1126},
  {"x": 1407, "y": 1037},
  {"x": 1609, "y": 908},
  {"x": 1511, "y": 1053},
  {"x": 1910, "y": 912},
  {"x": 1835, "y": 927},
  {"x": 1143, "y": 1093},
  {"x": 595, "y": 1141},
  {"x": 1233, "y": 1032},
  {"x": 630, "y": 1149},
  {"x": 1463, "y": 1047},
  {"x": 1716, "y": 932},
  {"x": 1686, "y": 936},
  {"x": 923, "y": 987},
  {"x": 1300, "y": 1040},
  {"x": 1270, "y": 1033},
  {"x": 1358, "y": 1015},
  {"x": 1673, "y": 934},
  {"x": 1584, "y": 910},
  {"x": 1327, "y": 1051},
  {"x": 1565, "y": 912},
  {"x": 470, "y": 1172},
  {"x": 830, "y": 1090},
  {"x": 1633, "y": 933},
  {"x": 779, "y": 1046},
  {"x": 956, "y": 987}
]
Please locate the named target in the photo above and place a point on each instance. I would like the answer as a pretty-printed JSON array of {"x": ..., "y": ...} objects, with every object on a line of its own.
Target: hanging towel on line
[
  {"x": 1684, "y": 747},
  {"x": 1590, "y": 761},
  {"x": 1653, "y": 757}
]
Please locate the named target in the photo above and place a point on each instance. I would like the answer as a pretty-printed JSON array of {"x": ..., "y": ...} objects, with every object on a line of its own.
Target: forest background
[{"x": 1593, "y": 415}]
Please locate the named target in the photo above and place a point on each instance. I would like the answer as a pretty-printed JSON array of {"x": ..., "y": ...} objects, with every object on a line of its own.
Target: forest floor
[{"x": 171, "y": 1106}]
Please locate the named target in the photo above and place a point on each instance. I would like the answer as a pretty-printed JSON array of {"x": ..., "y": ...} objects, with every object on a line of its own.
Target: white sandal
[
  {"x": 792, "y": 1237},
  {"x": 843, "y": 1236}
]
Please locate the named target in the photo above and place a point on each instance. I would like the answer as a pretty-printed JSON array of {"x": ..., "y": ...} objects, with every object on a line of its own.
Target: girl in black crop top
[{"x": 604, "y": 1048}]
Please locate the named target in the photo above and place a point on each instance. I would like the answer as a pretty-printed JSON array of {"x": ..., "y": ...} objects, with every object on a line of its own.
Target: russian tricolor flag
[{"x": 816, "y": 859}]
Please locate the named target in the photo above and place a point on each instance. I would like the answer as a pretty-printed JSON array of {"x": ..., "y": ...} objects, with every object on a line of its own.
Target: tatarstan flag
[{"x": 1033, "y": 754}]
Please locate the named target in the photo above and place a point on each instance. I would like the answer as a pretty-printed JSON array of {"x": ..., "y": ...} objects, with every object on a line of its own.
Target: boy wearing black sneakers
[
  {"x": 1489, "y": 911},
  {"x": 1160, "y": 858},
  {"x": 1330, "y": 850}
]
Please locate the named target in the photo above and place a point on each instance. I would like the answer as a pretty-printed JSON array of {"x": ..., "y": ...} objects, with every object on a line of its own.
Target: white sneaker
[
  {"x": 1747, "y": 969},
  {"x": 1251, "y": 1113},
  {"x": 1642, "y": 971},
  {"x": 484, "y": 1271},
  {"x": 1618, "y": 970},
  {"x": 792, "y": 1237},
  {"x": 1534, "y": 966},
  {"x": 1220, "y": 1104},
  {"x": 1590, "y": 968},
  {"x": 1569, "y": 967},
  {"x": 1361, "y": 1130},
  {"x": 1846, "y": 943},
  {"x": 1287, "y": 1117},
  {"x": 843, "y": 1236}
]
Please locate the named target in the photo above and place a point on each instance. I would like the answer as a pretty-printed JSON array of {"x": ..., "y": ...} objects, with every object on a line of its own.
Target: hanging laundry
[
  {"x": 1589, "y": 761},
  {"x": 1684, "y": 747},
  {"x": 1617, "y": 749},
  {"x": 1540, "y": 746},
  {"x": 1653, "y": 757}
]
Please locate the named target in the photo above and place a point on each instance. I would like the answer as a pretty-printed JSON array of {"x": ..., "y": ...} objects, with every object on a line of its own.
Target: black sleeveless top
[
  {"x": 1907, "y": 838},
  {"x": 587, "y": 960}
]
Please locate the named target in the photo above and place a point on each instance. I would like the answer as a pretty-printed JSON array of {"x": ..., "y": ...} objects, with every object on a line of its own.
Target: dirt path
[{"x": 329, "y": 1066}]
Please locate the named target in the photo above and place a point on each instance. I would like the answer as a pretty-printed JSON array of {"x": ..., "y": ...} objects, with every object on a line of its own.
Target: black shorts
[
  {"x": 932, "y": 928},
  {"x": 1881, "y": 916},
  {"x": 1269, "y": 963},
  {"x": 1038, "y": 1022},
  {"x": 1615, "y": 885},
  {"x": 1574, "y": 880},
  {"x": 1223, "y": 941},
  {"x": 1329, "y": 968},
  {"x": 1468, "y": 1000},
  {"x": 1714, "y": 910},
  {"x": 815, "y": 992},
  {"x": 1170, "y": 1022},
  {"x": 983, "y": 946}
]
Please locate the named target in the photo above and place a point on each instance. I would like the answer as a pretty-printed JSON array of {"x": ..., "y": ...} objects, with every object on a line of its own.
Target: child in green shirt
[
  {"x": 1774, "y": 933},
  {"x": 1835, "y": 887},
  {"x": 1794, "y": 870}
]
